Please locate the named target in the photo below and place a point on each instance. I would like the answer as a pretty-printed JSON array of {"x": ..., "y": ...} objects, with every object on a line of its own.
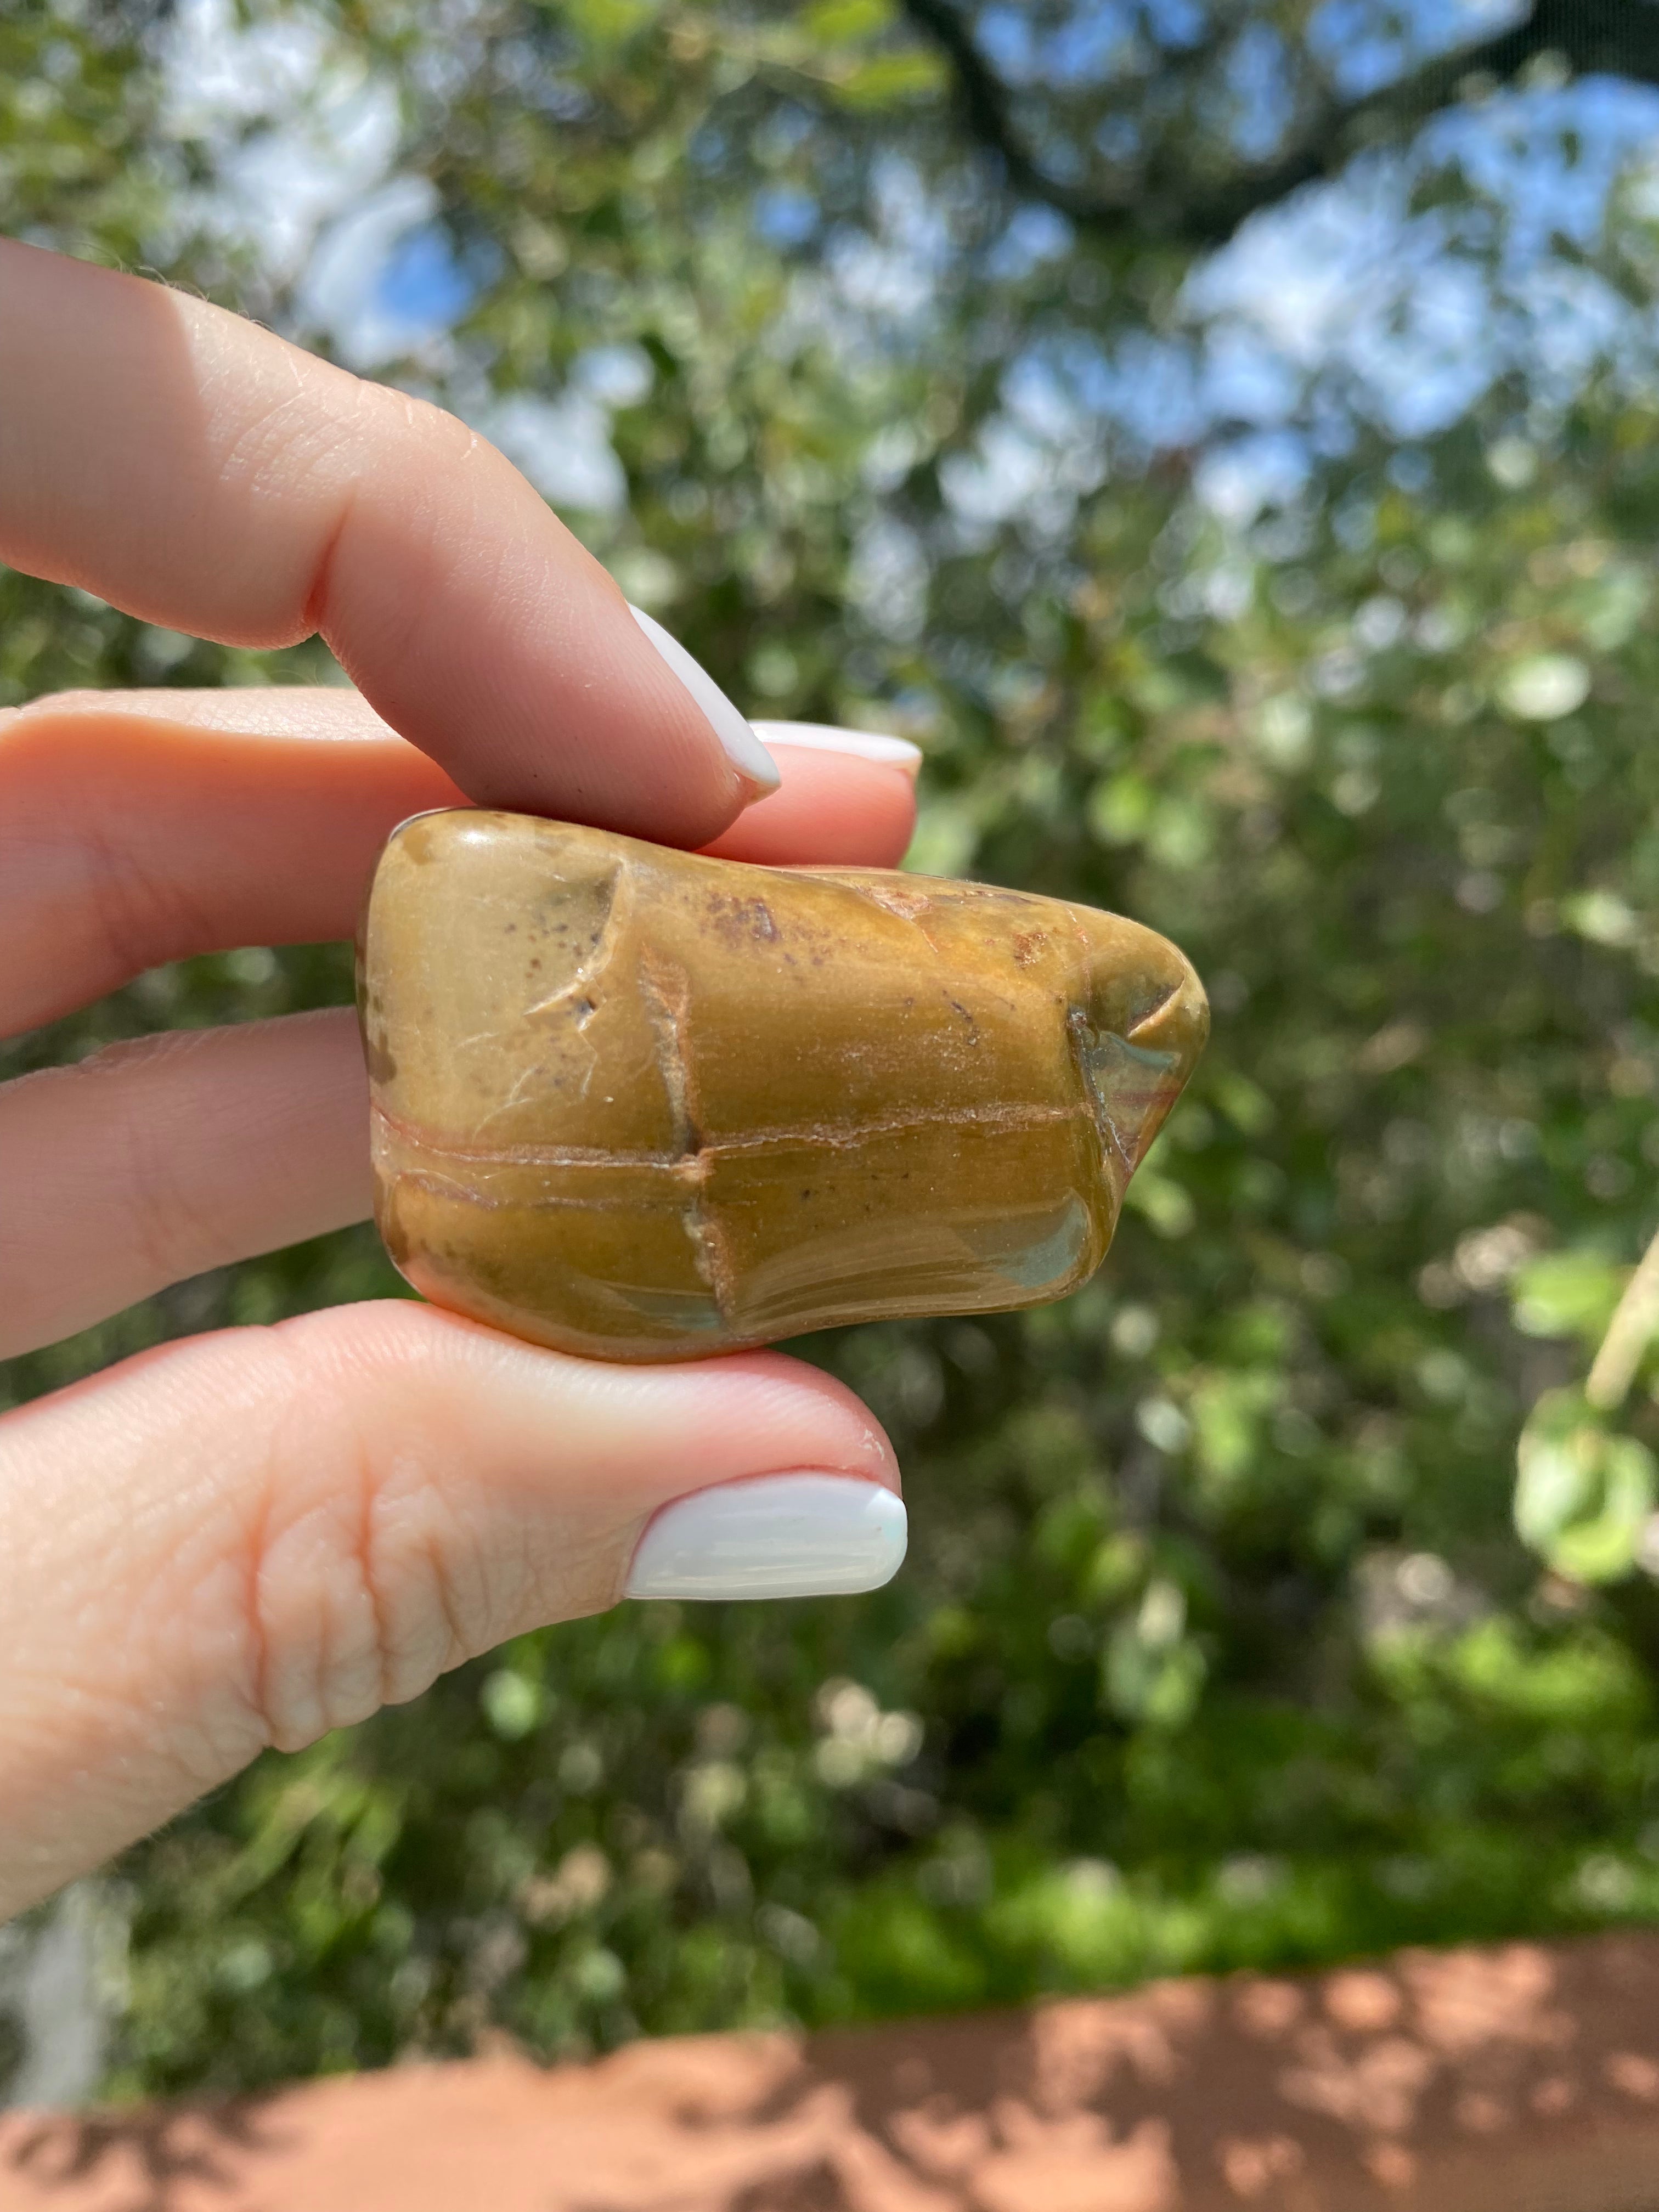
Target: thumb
[{"x": 254, "y": 1537}]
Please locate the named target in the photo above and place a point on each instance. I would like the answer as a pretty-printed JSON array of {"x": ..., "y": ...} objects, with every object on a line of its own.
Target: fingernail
[
  {"x": 743, "y": 748},
  {"x": 863, "y": 744},
  {"x": 778, "y": 1535}
]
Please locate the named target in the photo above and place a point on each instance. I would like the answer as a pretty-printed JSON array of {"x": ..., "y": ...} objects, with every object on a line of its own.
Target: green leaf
[
  {"x": 1567, "y": 1294},
  {"x": 1584, "y": 1495},
  {"x": 887, "y": 81},
  {"x": 845, "y": 22},
  {"x": 1121, "y": 809}
]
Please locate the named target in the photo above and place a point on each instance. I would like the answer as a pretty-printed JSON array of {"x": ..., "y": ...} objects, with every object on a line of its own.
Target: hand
[{"x": 259, "y": 1535}]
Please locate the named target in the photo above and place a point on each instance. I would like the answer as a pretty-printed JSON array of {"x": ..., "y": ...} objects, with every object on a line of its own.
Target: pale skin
[{"x": 251, "y": 1537}]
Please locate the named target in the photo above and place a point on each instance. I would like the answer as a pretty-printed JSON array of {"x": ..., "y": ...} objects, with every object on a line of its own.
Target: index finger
[{"x": 199, "y": 472}]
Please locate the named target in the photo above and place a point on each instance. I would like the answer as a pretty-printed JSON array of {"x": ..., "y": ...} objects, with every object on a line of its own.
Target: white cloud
[
  {"x": 563, "y": 445},
  {"x": 1236, "y": 481},
  {"x": 614, "y": 375},
  {"x": 342, "y": 291},
  {"x": 888, "y": 578},
  {"x": 294, "y": 129}
]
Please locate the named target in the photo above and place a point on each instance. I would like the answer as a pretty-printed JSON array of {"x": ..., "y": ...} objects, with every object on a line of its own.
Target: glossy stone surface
[{"x": 644, "y": 1105}]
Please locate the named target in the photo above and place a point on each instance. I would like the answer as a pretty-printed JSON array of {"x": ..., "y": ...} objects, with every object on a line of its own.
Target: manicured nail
[
  {"x": 778, "y": 1535},
  {"x": 743, "y": 748},
  {"x": 863, "y": 744}
]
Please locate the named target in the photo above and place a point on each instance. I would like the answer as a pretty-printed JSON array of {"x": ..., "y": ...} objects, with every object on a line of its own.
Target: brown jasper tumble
[{"x": 643, "y": 1105}]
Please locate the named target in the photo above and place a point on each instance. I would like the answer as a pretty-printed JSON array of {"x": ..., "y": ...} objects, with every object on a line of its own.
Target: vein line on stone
[
  {"x": 460, "y": 1194},
  {"x": 836, "y": 1135}
]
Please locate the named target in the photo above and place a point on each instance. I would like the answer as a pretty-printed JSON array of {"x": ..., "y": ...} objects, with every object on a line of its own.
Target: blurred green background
[{"x": 1225, "y": 436}]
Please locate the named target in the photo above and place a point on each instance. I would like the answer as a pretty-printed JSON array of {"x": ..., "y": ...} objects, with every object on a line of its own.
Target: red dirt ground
[{"x": 1524, "y": 2079}]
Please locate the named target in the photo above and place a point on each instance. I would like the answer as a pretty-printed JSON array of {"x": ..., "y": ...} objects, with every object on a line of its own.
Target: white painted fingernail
[
  {"x": 777, "y": 1535},
  {"x": 863, "y": 744},
  {"x": 743, "y": 748}
]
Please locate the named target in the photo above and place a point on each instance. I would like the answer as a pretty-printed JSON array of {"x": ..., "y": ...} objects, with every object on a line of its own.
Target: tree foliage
[
  {"x": 1217, "y": 1643},
  {"x": 1182, "y": 122}
]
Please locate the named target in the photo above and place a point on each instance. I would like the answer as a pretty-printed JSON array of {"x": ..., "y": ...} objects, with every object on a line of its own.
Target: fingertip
[
  {"x": 766, "y": 1403},
  {"x": 251, "y": 1538},
  {"x": 787, "y": 1535},
  {"x": 853, "y": 744},
  {"x": 755, "y": 766},
  {"x": 833, "y": 808},
  {"x": 775, "y": 1377}
]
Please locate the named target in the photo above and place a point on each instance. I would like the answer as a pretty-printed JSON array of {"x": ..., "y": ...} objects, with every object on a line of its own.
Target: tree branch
[
  {"x": 988, "y": 112},
  {"x": 1615, "y": 38}
]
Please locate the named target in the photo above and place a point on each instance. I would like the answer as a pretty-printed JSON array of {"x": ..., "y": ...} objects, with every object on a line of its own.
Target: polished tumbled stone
[{"x": 641, "y": 1105}]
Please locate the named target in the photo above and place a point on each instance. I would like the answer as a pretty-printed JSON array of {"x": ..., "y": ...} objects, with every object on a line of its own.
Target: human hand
[{"x": 253, "y": 1537}]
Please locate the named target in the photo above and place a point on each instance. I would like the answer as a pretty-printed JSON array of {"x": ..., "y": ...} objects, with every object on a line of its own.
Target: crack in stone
[
  {"x": 1161, "y": 1008},
  {"x": 903, "y": 906},
  {"x": 1104, "y": 1059},
  {"x": 667, "y": 993},
  {"x": 618, "y": 893}
]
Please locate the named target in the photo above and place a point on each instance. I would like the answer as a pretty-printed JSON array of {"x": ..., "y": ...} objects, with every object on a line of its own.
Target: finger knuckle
[
  {"x": 66, "y": 839},
  {"x": 363, "y": 1584},
  {"x": 434, "y": 429},
  {"x": 170, "y": 1233}
]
